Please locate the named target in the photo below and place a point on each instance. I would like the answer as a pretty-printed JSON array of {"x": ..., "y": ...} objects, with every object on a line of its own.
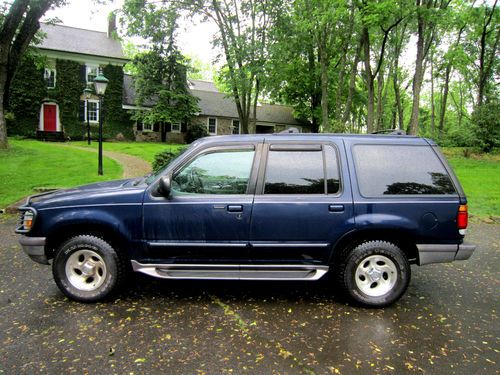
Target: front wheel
[
  {"x": 87, "y": 268},
  {"x": 374, "y": 273}
]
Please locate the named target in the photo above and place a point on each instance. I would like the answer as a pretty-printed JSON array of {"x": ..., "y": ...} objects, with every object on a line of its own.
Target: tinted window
[
  {"x": 400, "y": 170},
  {"x": 332, "y": 170},
  {"x": 295, "y": 172},
  {"x": 225, "y": 172}
]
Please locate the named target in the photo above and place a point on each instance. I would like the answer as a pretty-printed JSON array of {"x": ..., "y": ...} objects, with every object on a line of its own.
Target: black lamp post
[
  {"x": 87, "y": 92},
  {"x": 100, "y": 84}
]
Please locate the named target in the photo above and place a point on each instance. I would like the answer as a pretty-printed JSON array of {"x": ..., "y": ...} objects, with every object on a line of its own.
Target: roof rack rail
[
  {"x": 390, "y": 131},
  {"x": 290, "y": 131}
]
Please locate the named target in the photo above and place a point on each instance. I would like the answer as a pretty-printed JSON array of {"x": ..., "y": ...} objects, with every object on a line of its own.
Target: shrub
[
  {"x": 486, "y": 126},
  {"x": 195, "y": 131},
  {"x": 163, "y": 158}
]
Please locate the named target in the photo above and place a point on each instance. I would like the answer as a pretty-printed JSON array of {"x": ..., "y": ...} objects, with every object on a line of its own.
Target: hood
[{"x": 108, "y": 192}]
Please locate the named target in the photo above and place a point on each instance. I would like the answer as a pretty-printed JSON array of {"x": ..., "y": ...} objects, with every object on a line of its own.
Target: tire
[
  {"x": 374, "y": 273},
  {"x": 87, "y": 268}
]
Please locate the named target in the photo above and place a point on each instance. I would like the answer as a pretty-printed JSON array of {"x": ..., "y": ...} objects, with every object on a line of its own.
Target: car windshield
[{"x": 148, "y": 179}]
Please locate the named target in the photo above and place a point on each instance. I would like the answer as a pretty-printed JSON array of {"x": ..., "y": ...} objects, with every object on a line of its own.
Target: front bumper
[
  {"x": 35, "y": 248},
  {"x": 437, "y": 253}
]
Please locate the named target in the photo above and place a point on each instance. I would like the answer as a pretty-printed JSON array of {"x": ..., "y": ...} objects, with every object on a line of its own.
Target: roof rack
[{"x": 390, "y": 131}]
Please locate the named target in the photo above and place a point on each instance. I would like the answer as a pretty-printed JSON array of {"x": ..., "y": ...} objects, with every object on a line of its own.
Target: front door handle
[
  {"x": 235, "y": 208},
  {"x": 336, "y": 208}
]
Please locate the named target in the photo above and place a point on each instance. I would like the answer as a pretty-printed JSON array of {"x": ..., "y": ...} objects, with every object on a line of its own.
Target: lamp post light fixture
[
  {"x": 100, "y": 85},
  {"x": 87, "y": 92}
]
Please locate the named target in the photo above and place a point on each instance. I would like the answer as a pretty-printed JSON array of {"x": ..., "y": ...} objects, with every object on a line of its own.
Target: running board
[{"x": 231, "y": 271}]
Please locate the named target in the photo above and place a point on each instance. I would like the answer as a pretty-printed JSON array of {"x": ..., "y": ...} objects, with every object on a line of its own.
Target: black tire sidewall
[
  {"x": 388, "y": 250},
  {"x": 89, "y": 243}
]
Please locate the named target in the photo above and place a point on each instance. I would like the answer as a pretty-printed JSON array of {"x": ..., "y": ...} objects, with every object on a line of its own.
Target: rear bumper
[
  {"x": 35, "y": 248},
  {"x": 437, "y": 253}
]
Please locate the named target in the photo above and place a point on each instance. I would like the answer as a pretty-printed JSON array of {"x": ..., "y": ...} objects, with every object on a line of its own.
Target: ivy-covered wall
[{"x": 29, "y": 90}]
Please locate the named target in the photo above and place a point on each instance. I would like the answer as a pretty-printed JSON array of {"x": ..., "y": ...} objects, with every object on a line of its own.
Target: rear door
[{"x": 303, "y": 203}]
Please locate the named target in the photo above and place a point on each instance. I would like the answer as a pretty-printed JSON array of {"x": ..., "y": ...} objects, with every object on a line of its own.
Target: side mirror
[{"x": 165, "y": 186}]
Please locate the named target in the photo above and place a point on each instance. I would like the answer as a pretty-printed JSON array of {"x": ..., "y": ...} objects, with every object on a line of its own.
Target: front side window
[
  {"x": 92, "y": 111},
  {"x": 50, "y": 77},
  {"x": 295, "y": 172},
  {"x": 212, "y": 126},
  {"x": 221, "y": 172},
  {"x": 400, "y": 170}
]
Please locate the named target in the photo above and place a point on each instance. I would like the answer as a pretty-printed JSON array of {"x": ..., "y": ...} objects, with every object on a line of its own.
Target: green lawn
[
  {"x": 143, "y": 150},
  {"x": 480, "y": 178},
  {"x": 29, "y": 164}
]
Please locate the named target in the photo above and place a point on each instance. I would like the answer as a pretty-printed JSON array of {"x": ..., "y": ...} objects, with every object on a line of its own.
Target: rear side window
[
  {"x": 400, "y": 170},
  {"x": 302, "y": 172}
]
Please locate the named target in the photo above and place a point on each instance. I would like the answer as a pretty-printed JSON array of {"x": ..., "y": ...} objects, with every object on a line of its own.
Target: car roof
[{"x": 307, "y": 137}]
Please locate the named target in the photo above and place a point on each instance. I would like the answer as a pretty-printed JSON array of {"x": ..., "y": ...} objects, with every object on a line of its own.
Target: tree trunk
[
  {"x": 379, "y": 114},
  {"x": 419, "y": 74},
  {"x": 433, "y": 107},
  {"x": 323, "y": 59},
  {"x": 369, "y": 81},
  {"x": 352, "y": 83}
]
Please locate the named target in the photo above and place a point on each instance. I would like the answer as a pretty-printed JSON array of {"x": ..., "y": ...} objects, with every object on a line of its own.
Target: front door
[
  {"x": 302, "y": 205},
  {"x": 207, "y": 215},
  {"x": 49, "y": 117}
]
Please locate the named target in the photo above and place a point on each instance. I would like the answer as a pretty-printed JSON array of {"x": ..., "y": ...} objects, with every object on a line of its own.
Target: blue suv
[{"x": 261, "y": 207}]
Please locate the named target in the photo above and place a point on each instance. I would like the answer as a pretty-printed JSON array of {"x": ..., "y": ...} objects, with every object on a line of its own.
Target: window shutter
[
  {"x": 83, "y": 73},
  {"x": 168, "y": 127},
  {"x": 183, "y": 126},
  {"x": 139, "y": 126},
  {"x": 81, "y": 110},
  {"x": 156, "y": 127}
]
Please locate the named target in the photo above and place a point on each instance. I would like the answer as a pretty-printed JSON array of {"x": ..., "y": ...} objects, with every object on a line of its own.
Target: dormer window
[
  {"x": 91, "y": 72},
  {"x": 50, "y": 77}
]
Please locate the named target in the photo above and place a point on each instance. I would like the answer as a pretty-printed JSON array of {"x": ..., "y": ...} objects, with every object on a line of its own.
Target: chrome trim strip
[
  {"x": 285, "y": 244},
  {"x": 196, "y": 244},
  {"x": 231, "y": 271}
]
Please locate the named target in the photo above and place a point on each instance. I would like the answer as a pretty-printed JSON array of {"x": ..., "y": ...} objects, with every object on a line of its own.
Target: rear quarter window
[{"x": 385, "y": 170}]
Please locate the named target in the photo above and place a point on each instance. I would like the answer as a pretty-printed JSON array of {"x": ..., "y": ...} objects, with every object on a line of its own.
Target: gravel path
[{"x": 132, "y": 165}]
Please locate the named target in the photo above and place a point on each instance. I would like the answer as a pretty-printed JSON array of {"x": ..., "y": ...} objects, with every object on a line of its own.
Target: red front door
[{"x": 49, "y": 117}]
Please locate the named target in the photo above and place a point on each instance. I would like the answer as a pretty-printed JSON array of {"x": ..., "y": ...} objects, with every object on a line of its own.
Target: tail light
[{"x": 462, "y": 217}]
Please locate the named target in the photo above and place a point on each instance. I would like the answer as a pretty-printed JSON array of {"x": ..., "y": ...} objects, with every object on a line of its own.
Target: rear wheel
[
  {"x": 87, "y": 268},
  {"x": 374, "y": 273}
]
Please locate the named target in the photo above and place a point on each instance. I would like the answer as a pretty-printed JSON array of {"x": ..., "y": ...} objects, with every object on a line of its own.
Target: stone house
[{"x": 48, "y": 101}]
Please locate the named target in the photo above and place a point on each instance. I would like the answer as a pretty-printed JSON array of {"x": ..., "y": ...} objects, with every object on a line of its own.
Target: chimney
[{"x": 111, "y": 24}]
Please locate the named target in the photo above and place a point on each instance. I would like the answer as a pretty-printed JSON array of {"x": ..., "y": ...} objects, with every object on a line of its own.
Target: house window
[
  {"x": 147, "y": 127},
  {"x": 50, "y": 77},
  {"x": 236, "y": 127},
  {"x": 92, "y": 111},
  {"x": 91, "y": 72},
  {"x": 212, "y": 126},
  {"x": 176, "y": 127}
]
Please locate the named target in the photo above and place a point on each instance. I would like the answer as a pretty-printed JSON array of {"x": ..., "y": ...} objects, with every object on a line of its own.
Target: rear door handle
[
  {"x": 235, "y": 208},
  {"x": 336, "y": 208}
]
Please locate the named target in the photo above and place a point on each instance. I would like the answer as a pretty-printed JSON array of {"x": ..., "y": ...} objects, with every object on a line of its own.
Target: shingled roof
[
  {"x": 88, "y": 42},
  {"x": 217, "y": 104}
]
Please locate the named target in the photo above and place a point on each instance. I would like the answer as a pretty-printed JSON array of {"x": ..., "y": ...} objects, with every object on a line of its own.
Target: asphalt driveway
[{"x": 446, "y": 323}]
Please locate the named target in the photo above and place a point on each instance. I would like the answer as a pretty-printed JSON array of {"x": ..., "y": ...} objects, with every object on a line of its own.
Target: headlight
[{"x": 26, "y": 220}]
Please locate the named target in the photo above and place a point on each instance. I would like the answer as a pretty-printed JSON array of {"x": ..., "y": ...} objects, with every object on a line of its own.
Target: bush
[
  {"x": 163, "y": 158},
  {"x": 195, "y": 131},
  {"x": 460, "y": 137},
  {"x": 486, "y": 126}
]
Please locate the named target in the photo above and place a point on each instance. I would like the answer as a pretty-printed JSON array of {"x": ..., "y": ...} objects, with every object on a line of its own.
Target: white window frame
[
  {"x": 88, "y": 69},
  {"x": 239, "y": 127},
  {"x": 147, "y": 127},
  {"x": 98, "y": 112},
  {"x": 50, "y": 70},
  {"x": 208, "y": 125},
  {"x": 178, "y": 127}
]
